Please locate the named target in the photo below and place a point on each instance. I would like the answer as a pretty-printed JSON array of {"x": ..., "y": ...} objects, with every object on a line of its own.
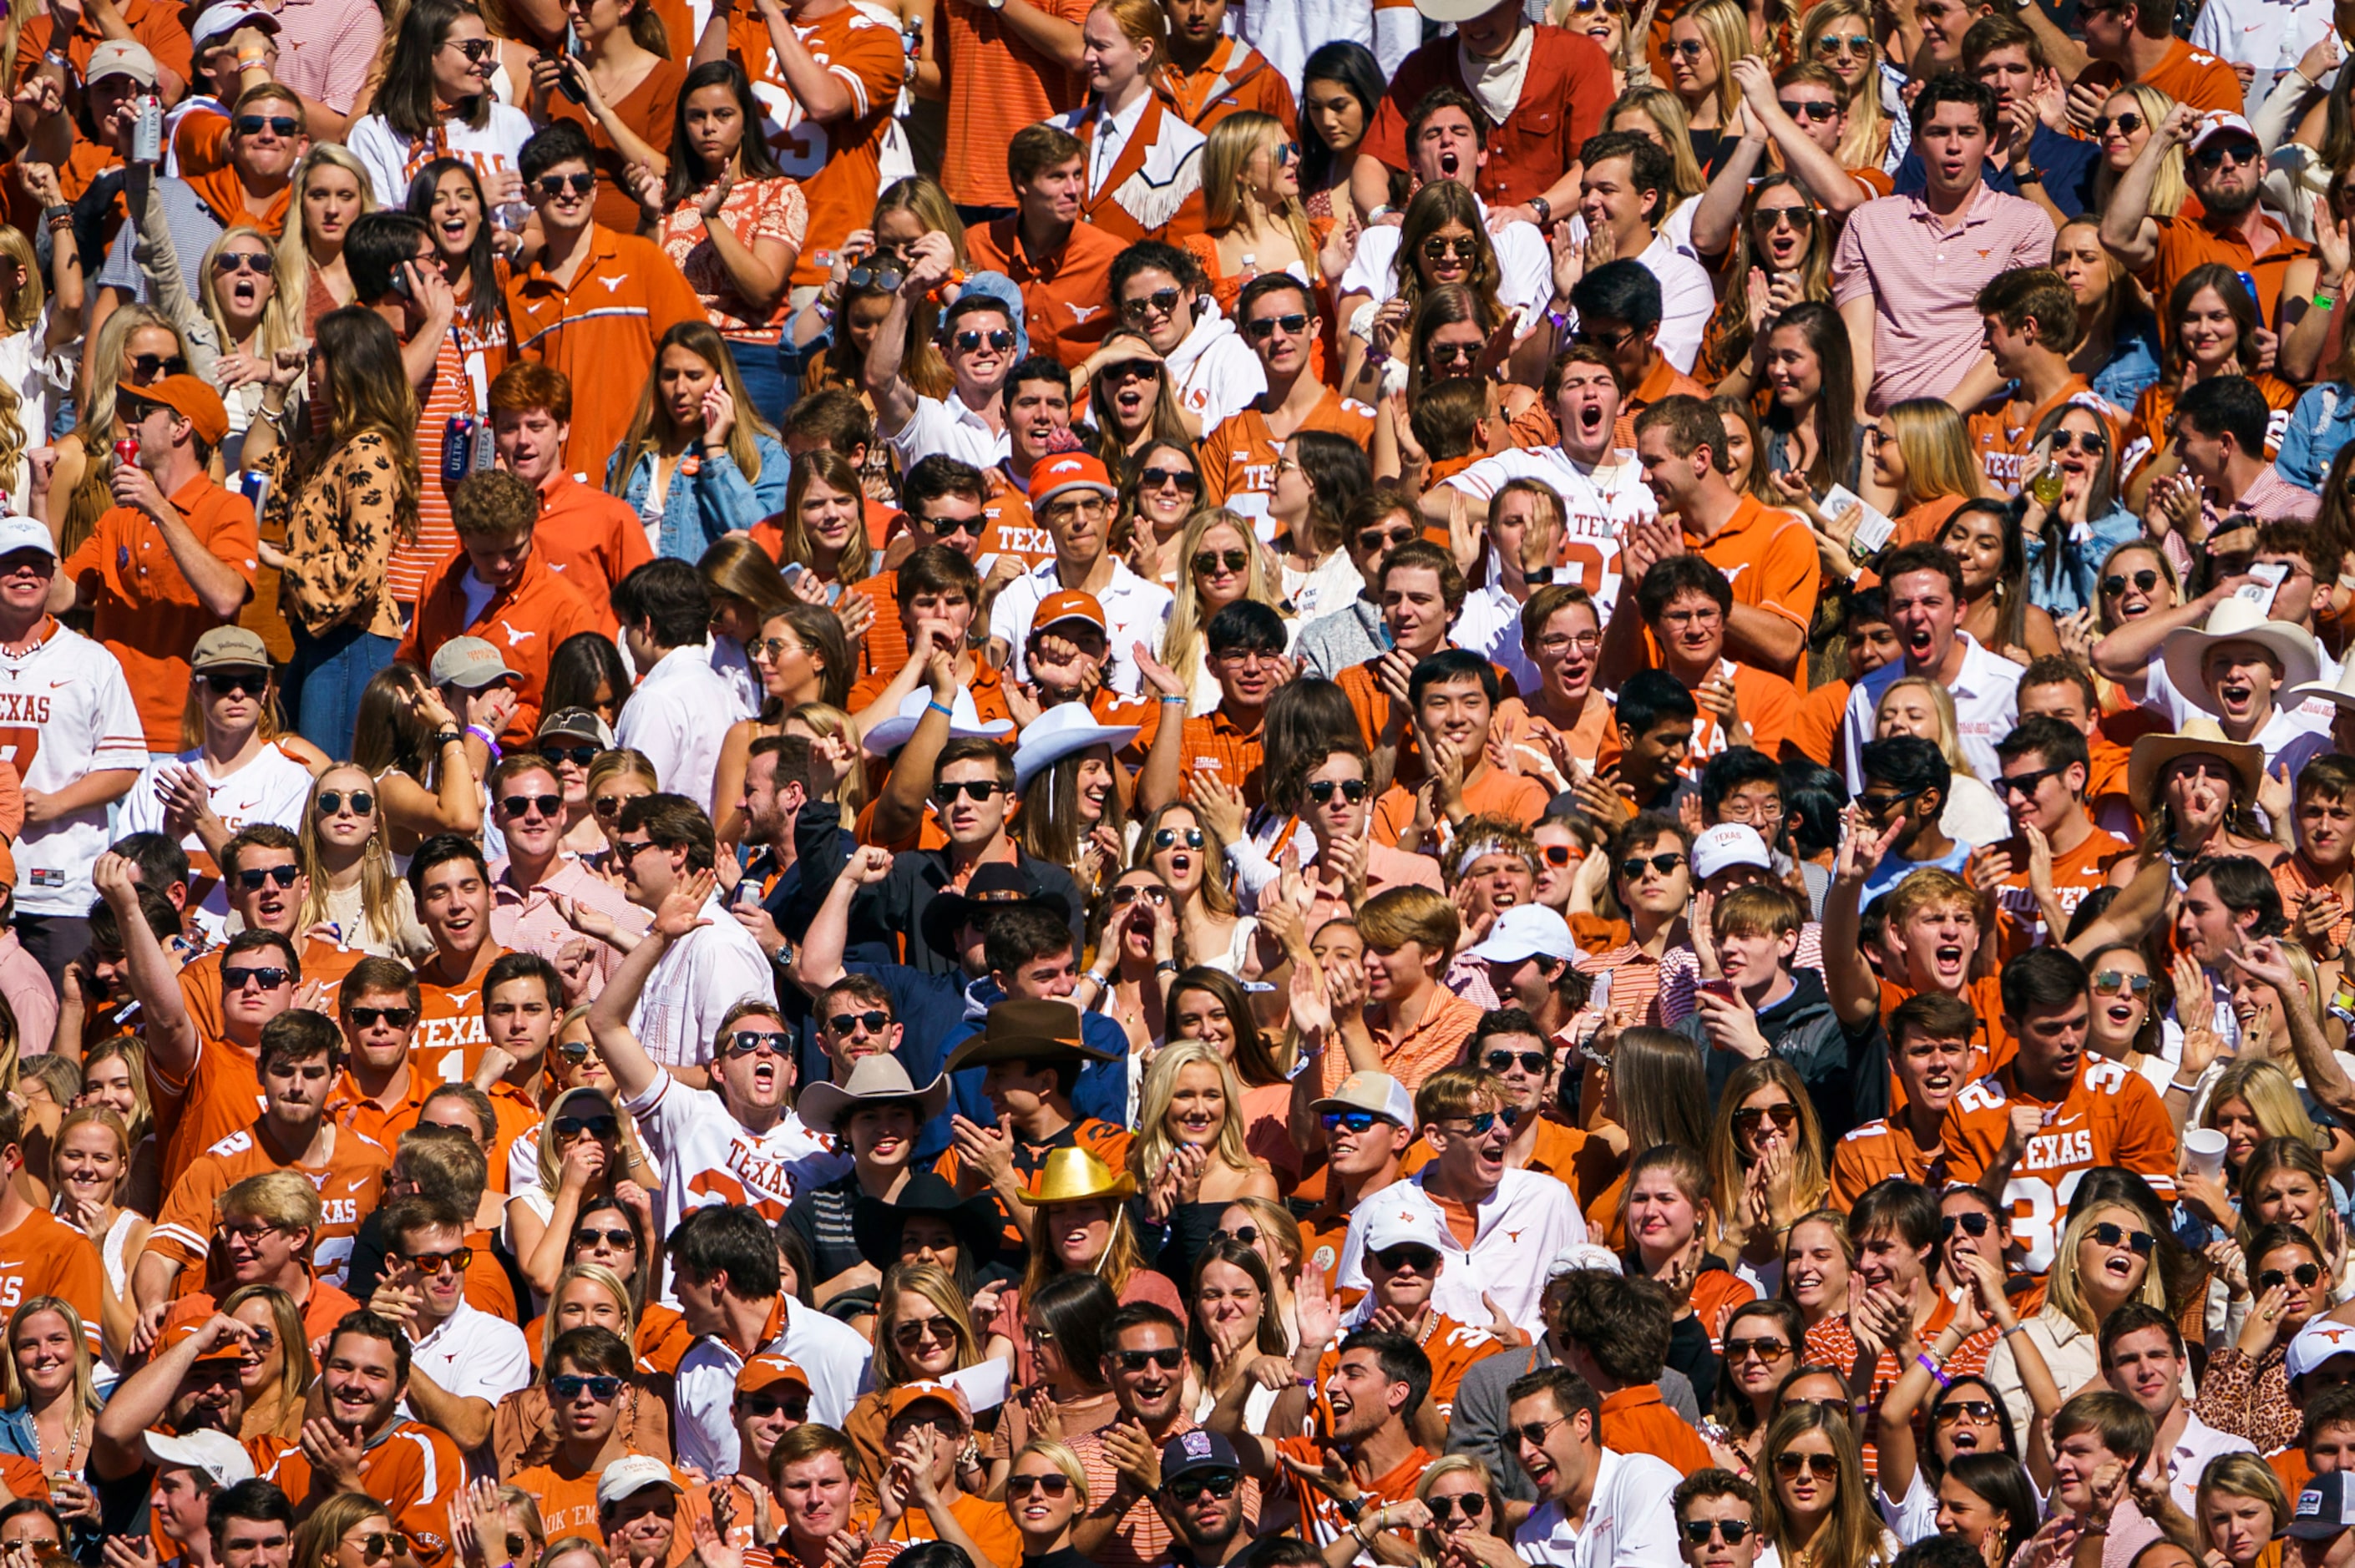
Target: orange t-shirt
[
  {"x": 839, "y": 163},
  {"x": 1013, "y": 531},
  {"x": 649, "y": 110},
  {"x": 355, "y": 1112},
  {"x": 45, "y": 1256},
  {"x": 2018, "y": 920},
  {"x": 350, "y": 1184},
  {"x": 1877, "y": 1151},
  {"x": 1766, "y": 703},
  {"x": 414, "y": 1471},
  {"x": 997, "y": 85},
  {"x": 325, "y": 1307},
  {"x": 1451, "y": 1347},
  {"x": 1516, "y": 797},
  {"x": 142, "y": 607},
  {"x": 2184, "y": 243},
  {"x": 1239, "y": 456},
  {"x": 988, "y": 1524},
  {"x": 155, "y": 25},
  {"x": 1216, "y": 742},
  {"x": 449, "y": 1037},
  {"x": 2111, "y": 1116},
  {"x": 526, "y": 622},
  {"x": 1066, "y": 297},
  {"x": 1317, "y": 1506},
  {"x": 601, "y": 332},
  {"x": 1635, "y": 1421},
  {"x": 1769, "y": 556},
  {"x": 1814, "y": 728},
  {"x": 1372, "y": 706},
  {"x": 591, "y": 539},
  {"x": 1662, "y": 380},
  {"x": 221, "y": 1094},
  {"x": 2185, "y": 74}
]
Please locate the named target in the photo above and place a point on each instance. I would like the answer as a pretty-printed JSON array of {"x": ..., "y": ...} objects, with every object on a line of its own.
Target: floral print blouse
[
  {"x": 772, "y": 208},
  {"x": 339, "y": 537}
]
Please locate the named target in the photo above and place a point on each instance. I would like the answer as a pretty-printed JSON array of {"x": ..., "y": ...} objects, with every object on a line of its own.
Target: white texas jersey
[
  {"x": 272, "y": 787},
  {"x": 706, "y": 1156},
  {"x": 1599, "y": 504},
  {"x": 66, "y": 712}
]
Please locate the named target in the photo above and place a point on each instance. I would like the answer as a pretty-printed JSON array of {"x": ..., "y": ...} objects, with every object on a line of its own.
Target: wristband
[
  {"x": 447, "y": 736},
  {"x": 1165, "y": 967},
  {"x": 1170, "y": 697},
  {"x": 938, "y": 708},
  {"x": 2019, "y": 1327},
  {"x": 487, "y": 738},
  {"x": 58, "y": 59},
  {"x": 2324, "y": 302},
  {"x": 1922, "y": 1361},
  {"x": 2179, "y": 1083},
  {"x": 250, "y": 59}
]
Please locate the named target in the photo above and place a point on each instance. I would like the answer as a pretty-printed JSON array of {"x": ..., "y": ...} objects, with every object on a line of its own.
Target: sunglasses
[
  {"x": 1955, "y": 1410},
  {"x": 1822, "y": 1466},
  {"x": 1814, "y": 109},
  {"x": 2127, "y": 124},
  {"x": 2305, "y": 1273},
  {"x": 475, "y": 49},
  {"x": 1633, "y": 868},
  {"x": 1765, "y": 1347},
  {"x": 373, "y": 1546},
  {"x": 579, "y": 756},
  {"x": 1973, "y": 1224},
  {"x": 595, "y": 1126},
  {"x": 916, "y": 1330},
  {"x": 1699, "y": 1531},
  {"x": 1452, "y": 353},
  {"x": 745, "y": 1042},
  {"x": 1766, "y": 219},
  {"x": 1560, "y": 854},
  {"x": 1000, "y": 340},
  {"x": 1450, "y": 248},
  {"x": 146, "y": 368},
  {"x": 617, "y": 1238},
  {"x": 1169, "y": 838},
  {"x": 1388, "y": 539},
  {"x": 941, "y": 527},
  {"x": 2212, "y": 156},
  {"x": 1219, "y": 1484},
  {"x": 2010, "y": 784},
  {"x": 2108, "y": 1234},
  {"x": 2110, "y": 983},
  {"x": 1406, "y": 1254},
  {"x": 574, "y": 1051},
  {"x": 369, "y": 1017},
  {"x": 231, "y": 262},
  {"x": 761, "y": 1407},
  {"x": 1688, "y": 48},
  {"x": 1247, "y": 1235},
  {"x": 1169, "y": 1358},
  {"x": 1160, "y": 303},
  {"x": 1123, "y": 896},
  {"x": 2091, "y": 442},
  {"x": 567, "y": 1386},
  {"x": 1265, "y": 327},
  {"x": 271, "y": 978},
  {"x": 609, "y": 805},
  {"x": 283, "y": 875},
  {"x": 280, "y": 124},
  {"x": 1750, "y": 1118},
  {"x": 1205, "y": 562},
  {"x": 881, "y": 280},
  {"x": 1053, "y": 1486},
  {"x": 1353, "y": 1120},
  {"x": 1844, "y": 43},
  {"x": 1186, "y": 480},
  {"x": 1530, "y": 1061},
  {"x": 874, "y": 1020},
  {"x": 430, "y": 1264},
  {"x": 1471, "y": 1504},
  {"x": 1608, "y": 7},
  {"x": 332, "y": 802},
  {"x": 546, "y": 805},
  {"x": 971, "y": 789},
  {"x": 1129, "y": 370},
  {"x": 555, "y": 186},
  {"x": 2144, "y": 581},
  {"x": 1320, "y": 790},
  {"x": 1479, "y": 1126}
]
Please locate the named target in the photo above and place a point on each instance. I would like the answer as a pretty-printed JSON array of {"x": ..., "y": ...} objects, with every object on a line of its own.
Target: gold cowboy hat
[
  {"x": 1074, "y": 1175},
  {"x": 2198, "y": 737}
]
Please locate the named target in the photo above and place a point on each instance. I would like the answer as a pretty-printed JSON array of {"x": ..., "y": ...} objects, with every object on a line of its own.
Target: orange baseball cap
[
  {"x": 1069, "y": 471},
  {"x": 179, "y": 1333},
  {"x": 1070, "y": 604},
  {"x": 192, "y": 400},
  {"x": 913, "y": 1394},
  {"x": 766, "y": 1371}
]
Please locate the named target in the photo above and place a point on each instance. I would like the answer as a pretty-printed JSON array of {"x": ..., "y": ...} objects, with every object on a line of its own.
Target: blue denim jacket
[
  {"x": 2322, "y": 420},
  {"x": 2134, "y": 362},
  {"x": 698, "y": 511},
  {"x": 2066, "y": 585}
]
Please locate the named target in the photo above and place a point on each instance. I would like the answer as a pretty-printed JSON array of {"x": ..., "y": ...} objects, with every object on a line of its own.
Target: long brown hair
[
  {"x": 1434, "y": 208},
  {"x": 1729, "y": 326},
  {"x": 651, "y": 426},
  {"x": 367, "y": 394},
  {"x": 825, "y": 463}
]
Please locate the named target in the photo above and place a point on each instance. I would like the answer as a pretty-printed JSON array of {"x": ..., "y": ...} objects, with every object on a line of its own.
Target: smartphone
[
  {"x": 1719, "y": 989},
  {"x": 564, "y": 82},
  {"x": 2270, "y": 575}
]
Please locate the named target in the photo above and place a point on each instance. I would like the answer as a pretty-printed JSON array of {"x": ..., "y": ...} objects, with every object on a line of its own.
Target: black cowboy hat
[
  {"x": 876, "y": 1223},
  {"x": 996, "y": 886}
]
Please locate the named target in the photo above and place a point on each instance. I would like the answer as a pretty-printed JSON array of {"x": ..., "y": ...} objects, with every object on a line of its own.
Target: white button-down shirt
[
  {"x": 951, "y": 428},
  {"x": 836, "y": 1359},
  {"x": 2187, "y": 1460},
  {"x": 1135, "y": 611},
  {"x": 1524, "y": 264},
  {"x": 694, "y": 983},
  {"x": 1521, "y": 1225},
  {"x": 1987, "y": 706},
  {"x": 474, "y": 1355},
  {"x": 678, "y": 716},
  {"x": 1630, "y": 1522}
]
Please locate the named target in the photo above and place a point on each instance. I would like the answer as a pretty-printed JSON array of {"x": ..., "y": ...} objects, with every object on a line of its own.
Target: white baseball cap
[
  {"x": 1402, "y": 1217},
  {"x": 632, "y": 1474},
  {"x": 1584, "y": 1256},
  {"x": 1380, "y": 1093},
  {"x": 217, "y": 1454},
  {"x": 2315, "y": 1343},
  {"x": 1527, "y": 931},
  {"x": 1727, "y": 845},
  {"x": 25, "y": 534}
]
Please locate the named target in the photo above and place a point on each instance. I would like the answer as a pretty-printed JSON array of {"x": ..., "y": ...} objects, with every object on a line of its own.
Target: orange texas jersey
[
  {"x": 840, "y": 165},
  {"x": 2111, "y": 1116},
  {"x": 1877, "y": 1151},
  {"x": 2020, "y": 919}
]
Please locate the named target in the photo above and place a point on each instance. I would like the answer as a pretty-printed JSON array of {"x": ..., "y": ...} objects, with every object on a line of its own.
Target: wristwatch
[{"x": 1542, "y": 207}]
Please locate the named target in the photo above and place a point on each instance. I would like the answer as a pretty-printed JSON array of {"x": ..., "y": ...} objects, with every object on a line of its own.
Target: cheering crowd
[{"x": 1170, "y": 783}]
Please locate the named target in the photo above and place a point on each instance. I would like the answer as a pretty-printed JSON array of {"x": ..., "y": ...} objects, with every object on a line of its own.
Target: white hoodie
[{"x": 1215, "y": 374}]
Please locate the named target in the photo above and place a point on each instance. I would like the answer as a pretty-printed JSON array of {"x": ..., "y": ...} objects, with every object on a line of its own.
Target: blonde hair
[
  {"x": 1865, "y": 142},
  {"x": 2065, "y": 1289},
  {"x": 1725, "y": 24},
  {"x": 826, "y": 719},
  {"x": 1936, "y": 446},
  {"x": 1182, "y": 648},
  {"x": 100, "y": 1116},
  {"x": 932, "y": 1283},
  {"x": 1726, "y": 1166},
  {"x": 2268, "y": 1090},
  {"x": 1228, "y": 200},
  {"x": 2241, "y": 1474},
  {"x": 551, "y": 1158},
  {"x": 1048, "y": 1448},
  {"x": 2168, "y": 187},
  {"x": 279, "y": 328},
  {"x": 604, "y": 1279},
  {"x": 1943, "y": 703},
  {"x": 23, "y": 313},
  {"x": 651, "y": 426},
  {"x": 317, "y": 1536},
  {"x": 294, "y": 1369},
  {"x": 379, "y": 887},
  {"x": 1275, "y": 1219},
  {"x": 290, "y": 272},
  {"x": 133, "y": 1051},
  {"x": 97, "y": 427},
  {"x": 1430, "y": 1547},
  {"x": 12, "y": 1385},
  {"x": 1153, "y": 1144},
  {"x": 1850, "y": 1537},
  {"x": 1666, "y": 112}
]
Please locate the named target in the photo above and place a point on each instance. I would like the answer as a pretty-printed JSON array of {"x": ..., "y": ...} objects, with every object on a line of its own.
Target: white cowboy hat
[
  {"x": 965, "y": 719},
  {"x": 872, "y": 1078},
  {"x": 2238, "y": 620},
  {"x": 1056, "y": 734},
  {"x": 2339, "y": 695}
]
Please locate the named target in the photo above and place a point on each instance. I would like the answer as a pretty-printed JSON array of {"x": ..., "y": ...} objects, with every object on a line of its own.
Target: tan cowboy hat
[
  {"x": 1074, "y": 1175},
  {"x": 873, "y": 1080},
  {"x": 2199, "y": 738},
  {"x": 2237, "y": 620}
]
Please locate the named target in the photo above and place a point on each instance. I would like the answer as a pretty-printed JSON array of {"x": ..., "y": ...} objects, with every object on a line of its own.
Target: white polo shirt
[
  {"x": 1987, "y": 706},
  {"x": 474, "y": 1355},
  {"x": 2187, "y": 1461},
  {"x": 1521, "y": 1225},
  {"x": 839, "y": 1362},
  {"x": 1135, "y": 611},
  {"x": 953, "y": 429},
  {"x": 1629, "y": 1520}
]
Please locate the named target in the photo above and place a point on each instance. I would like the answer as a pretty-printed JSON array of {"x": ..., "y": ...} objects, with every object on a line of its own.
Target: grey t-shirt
[{"x": 193, "y": 233}]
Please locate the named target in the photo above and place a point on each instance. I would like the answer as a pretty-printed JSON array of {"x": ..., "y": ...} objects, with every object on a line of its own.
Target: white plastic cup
[{"x": 2203, "y": 1148}]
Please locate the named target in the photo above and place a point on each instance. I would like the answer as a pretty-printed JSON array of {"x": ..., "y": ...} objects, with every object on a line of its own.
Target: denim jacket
[
  {"x": 2065, "y": 586},
  {"x": 698, "y": 510},
  {"x": 2321, "y": 421}
]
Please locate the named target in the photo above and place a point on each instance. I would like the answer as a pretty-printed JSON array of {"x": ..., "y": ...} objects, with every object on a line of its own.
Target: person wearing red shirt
[
  {"x": 1532, "y": 167},
  {"x": 501, "y": 589},
  {"x": 589, "y": 538}
]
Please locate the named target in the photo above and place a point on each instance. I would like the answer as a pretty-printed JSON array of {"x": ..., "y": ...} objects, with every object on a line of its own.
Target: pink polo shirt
[
  {"x": 528, "y": 922},
  {"x": 1923, "y": 274},
  {"x": 2270, "y": 498}
]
